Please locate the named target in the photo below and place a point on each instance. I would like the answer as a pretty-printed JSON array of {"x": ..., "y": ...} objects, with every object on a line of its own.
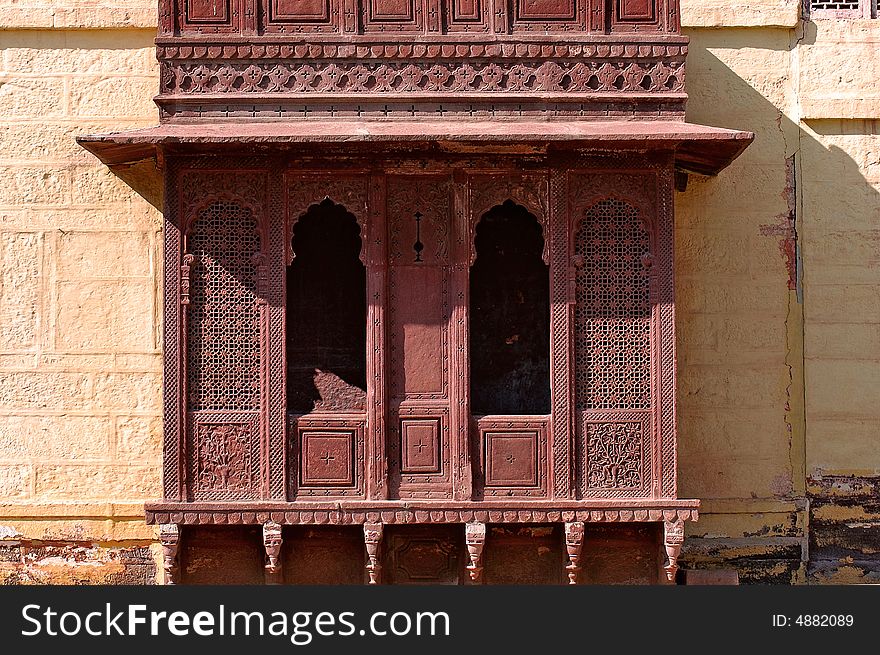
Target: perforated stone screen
[{"x": 223, "y": 334}]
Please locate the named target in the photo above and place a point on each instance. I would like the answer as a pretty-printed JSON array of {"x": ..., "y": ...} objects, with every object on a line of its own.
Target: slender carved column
[
  {"x": 475, "y": 538},
  {"x": 673, "y": 538},
  {"x": 373, "y": 539},
  {"x": 169, "y": 537},
  {"x": 574, "y": 542},
  {"x": 272, "y": 543}
]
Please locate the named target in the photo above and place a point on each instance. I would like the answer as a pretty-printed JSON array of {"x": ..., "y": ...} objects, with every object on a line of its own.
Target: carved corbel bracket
[
  {"x": 272, "y": 543},
  {"x": 673, "y": 538},
  {"x": 373, "y": 540},
  {"x": 169, "y": 537},
  {"x": 475, "y": 538},
  {"x": 574, "y": 542}
]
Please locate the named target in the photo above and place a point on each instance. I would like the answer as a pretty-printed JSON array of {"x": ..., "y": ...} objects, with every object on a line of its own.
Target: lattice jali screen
[
  {"x": 613, "y": 311},
  {"x": 841, "y": 8},
  {"x": 223, "y": 330}
]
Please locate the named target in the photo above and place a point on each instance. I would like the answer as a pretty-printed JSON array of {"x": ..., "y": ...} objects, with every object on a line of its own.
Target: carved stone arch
[
  {"x": 305, "y": 190},
  {"x": 200, "y": 189},
  {"x": 530, "y": 190},
  {"x": 639, "y": 191}
]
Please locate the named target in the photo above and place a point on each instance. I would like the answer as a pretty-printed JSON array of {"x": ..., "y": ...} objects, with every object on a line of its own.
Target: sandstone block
[
  {"x": 96, "y": 186},
  {"x": 20, "y": 290},
  {"x": 128, "y": 391},
  {"x": 42, "y": 390},
  {"x": 122, "y": 97},
  {"x": 139, "y": 439},
  {"x": 105, "y": 315},
  {"x": 108, "y": 51},
  {"x": 103, "y": 254},
  {"x": 24, "y": 185},
  {"x": 15, "y": 481},
  {"x": 95, "y": 481},
  {"x": 843, "y": 388},
  {"x": 31, "y": 97}
]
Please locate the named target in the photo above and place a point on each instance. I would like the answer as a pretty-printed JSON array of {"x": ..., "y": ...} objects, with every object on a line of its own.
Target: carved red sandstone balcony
[
  {"x": 418, "y": 276},
  {"x": 404, "y": 58}
]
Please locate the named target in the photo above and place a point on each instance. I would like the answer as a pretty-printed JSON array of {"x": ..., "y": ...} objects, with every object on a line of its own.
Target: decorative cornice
[
  {"x": 414, "y": 51},
  {"x": 349, "y": 514},
  {"x": 424, "y": 78}
]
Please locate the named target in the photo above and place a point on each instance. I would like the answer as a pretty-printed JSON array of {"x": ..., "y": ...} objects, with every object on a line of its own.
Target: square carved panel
[
  {"x": 635, "y": 10},
  {"x": 207, "y": 11},
  {"x": 546, "y": 10},
  {"x": 392, "y": 15},
  {"x": 511, "y": 459},
  {"x": 420, "y": 445},
  {"x": 327, "y": 458},
  {"x": 466, "y": 10},
  {"x": 392, "y": 10},
  {"x": 300, "y": 11}
]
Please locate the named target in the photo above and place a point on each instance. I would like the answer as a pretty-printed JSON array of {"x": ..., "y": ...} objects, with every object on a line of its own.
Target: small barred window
[{"x": 842, "y": 8}]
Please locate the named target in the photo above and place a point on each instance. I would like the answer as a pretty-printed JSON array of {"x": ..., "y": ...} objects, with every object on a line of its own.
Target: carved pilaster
[
  {"x": 185, "y": 268},
  {"x": 272, "y": 543},
  {"x": 169, "y": 537},
  {"x": 673, "y": 538},
  {"x": 373, "y": 540},
  {"x": 475, "y": 538},
  {"x": 574, "y": 542}
]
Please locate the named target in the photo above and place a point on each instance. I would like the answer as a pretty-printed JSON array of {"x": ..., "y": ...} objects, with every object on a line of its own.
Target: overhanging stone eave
[{"x": 135, "y": 155}]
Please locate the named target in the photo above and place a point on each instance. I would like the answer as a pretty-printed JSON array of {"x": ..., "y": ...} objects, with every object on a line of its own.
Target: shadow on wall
[{"x": 745, "y": 244}]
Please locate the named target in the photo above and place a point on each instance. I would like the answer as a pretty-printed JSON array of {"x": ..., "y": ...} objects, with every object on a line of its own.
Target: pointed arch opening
[
  {"x": 326, "y": 313},
  {"x": 509, "y": 315}
]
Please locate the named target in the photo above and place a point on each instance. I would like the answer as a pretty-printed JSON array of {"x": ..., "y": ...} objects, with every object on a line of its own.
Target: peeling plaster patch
[
  {"x": 8, "y": 532},
  {"x": 786, "y": 227},
  {"x": 781, "y": 485}
]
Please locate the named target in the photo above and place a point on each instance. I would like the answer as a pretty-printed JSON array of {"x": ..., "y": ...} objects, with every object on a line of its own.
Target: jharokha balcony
[{"x": 419, "y": 286}]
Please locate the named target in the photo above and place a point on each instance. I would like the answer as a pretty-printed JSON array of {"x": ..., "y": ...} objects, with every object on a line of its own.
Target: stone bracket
[
  {"x": 673, "y": 538},
  {"x": 169, "y": 537},
  {"x": 272, "y": 541},
  {"x": 475, "y": 539},
  {"x": 373, "y": 539},
  {"x": 574, "y": 542}
]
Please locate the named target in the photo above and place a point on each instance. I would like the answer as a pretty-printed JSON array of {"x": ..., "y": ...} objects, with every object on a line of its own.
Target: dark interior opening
[
  {"x": 326, "y": 313},
  {"x": 510, "y": 315}
]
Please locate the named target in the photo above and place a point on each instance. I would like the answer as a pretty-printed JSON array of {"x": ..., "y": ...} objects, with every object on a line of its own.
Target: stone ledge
[
  {"x": 842, "y": 108},
  {"x": 724, "y": 14},
  {"x": 407, "y": 512},
  {"x": 77, "y": 18}
]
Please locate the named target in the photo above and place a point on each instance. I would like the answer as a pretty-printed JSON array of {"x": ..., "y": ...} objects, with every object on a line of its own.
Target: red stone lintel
[
  {"x": 699, "y": 148},
  {"x": 409, "y": 512}
]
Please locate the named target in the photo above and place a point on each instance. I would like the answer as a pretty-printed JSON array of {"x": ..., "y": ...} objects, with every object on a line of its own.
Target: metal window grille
[{"x": 841, "y": 8}]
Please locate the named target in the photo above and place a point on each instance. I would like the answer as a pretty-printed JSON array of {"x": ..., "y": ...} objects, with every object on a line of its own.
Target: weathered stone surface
[
  {"x": 38, "y": 185},
  {"x": 723, "y": 14},
  {"x": 15, "y": 481},
  {"x": 139, "y": 438},
  {"x": 106, "y": 315},
  {"x": 104, "y": 254},
  {"x": 29, "y": 98},
  {"x": 94, "y": 481},
  {"x": 37, "y": 390},
  {"x": 20, "y": 290},
  {"x": 128, "y": 391},
  {"x": 63, "y": 438},
  {"x": 121, "y": 97}
]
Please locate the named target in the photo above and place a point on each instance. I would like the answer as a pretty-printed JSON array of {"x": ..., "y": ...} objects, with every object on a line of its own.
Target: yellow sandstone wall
[
  {"x": 779, "y": 297},
  {"x": 80, "y": 358},
  {"x": 778, "y": 362}
]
